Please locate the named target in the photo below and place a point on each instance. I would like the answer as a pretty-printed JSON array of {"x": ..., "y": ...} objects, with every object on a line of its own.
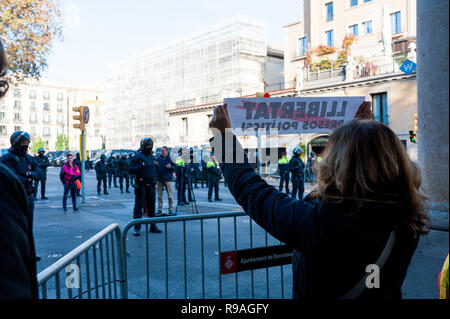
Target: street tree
[
  {"x": 37, "y": 144},
  {"x": 62, "y": 143},
  {"x": 28, "y": 30}
]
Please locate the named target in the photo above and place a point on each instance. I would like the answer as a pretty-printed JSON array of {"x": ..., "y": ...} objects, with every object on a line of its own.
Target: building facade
[
  {"x": 44, "y": 109},
  {"x": 225, "y": 60}
]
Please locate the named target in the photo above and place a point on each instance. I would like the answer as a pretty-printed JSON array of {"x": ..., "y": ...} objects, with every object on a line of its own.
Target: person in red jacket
[{"x": 70, "y": 173}]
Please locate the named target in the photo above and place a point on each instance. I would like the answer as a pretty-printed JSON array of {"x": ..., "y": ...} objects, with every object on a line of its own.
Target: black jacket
[
  {"x": 17, "y": 254},
  {"x": 165, "y": 174},
  {"x": 101, "y": 168},
  {"x": 296, "y": 166},
  {"x": 144, "y": 174},
  {"x": 333, "y": 244},
  {"x": 43, "y": 162},
  {"x": 20, "y": 165},
  {"x": 122, "y": 167}
]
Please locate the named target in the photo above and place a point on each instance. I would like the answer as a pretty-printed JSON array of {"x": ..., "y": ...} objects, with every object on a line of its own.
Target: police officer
[
  {"x": 24, "y": 166},
  {"x": 130, "y": 176},
  {"x": 204, "y": 171},
  {"x": 43, "y": 163},
  {"x": 297, "y": 167},
  {"x": 283, "y": 164},
  {"x": 181, "y": 180},
  {"x": 110, "y": 167},
  {"x": 144, "y": 166},
  {"x": 101, "y": 170},
  {"x": 123, "y": 172},
  {"x": 115, "y": 167},
  {"x": 214, "y": 176}
]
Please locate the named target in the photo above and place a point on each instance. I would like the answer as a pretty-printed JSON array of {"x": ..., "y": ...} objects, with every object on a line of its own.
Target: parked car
[{"x": 53, "y": 158}]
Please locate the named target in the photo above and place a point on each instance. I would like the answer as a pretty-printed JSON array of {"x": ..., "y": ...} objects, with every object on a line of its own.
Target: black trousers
[
  {"x": 213, "y": 184},
  {"x": 101, "y": 179},
  {"x": 181, "y": 188},
  {"x": 112, "y": 176},
  {"x": 284, "y": 180},
  {"x": 298, "y": 186},
  {"x": 127, "y": 181},
  {"x": 43, "y": 180},
  {"x": 144, "y": 204}
]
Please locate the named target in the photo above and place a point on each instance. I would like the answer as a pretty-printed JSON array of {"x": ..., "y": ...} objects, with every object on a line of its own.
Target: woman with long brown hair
[{"x": 366, "y": 212}]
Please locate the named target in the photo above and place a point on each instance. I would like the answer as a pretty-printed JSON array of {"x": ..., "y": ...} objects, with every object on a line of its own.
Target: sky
[{"x": 97, "y": 33}]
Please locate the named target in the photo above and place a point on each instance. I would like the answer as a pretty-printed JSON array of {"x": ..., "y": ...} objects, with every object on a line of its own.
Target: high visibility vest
[
  {"x": 210, "y": 164},
  {"x": 283, "y": 160},
  {"x": 179, "y": 161},
  {"x": 443, "y": 281},
  {"x": 319, "y": 159}
]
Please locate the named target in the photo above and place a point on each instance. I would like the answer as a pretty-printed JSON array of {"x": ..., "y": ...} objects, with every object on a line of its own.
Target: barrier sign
[
  {"x": 254, "y": 258},
  {"x": 291, "y": 115}
]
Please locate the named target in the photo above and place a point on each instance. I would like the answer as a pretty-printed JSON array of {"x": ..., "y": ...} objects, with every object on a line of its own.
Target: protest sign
[{"x": 291, "y": 115}]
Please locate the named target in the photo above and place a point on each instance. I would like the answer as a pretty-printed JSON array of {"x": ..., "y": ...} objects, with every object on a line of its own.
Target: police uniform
[
  {"x": 283, "y": 164},
  {"x": 115, "y": 167},
  {"x": 122, "y": 170},
  {"x": 181, "y": 180},
  {"x": 101, "y": 171},
  {"x": 144, "y": 167},
  {"x": 214, "y": 175},
  {"x": 297, "y": 167},
  {"x": 110, "y": 166},
  {"x": 43, "y": 163},
  {"x": 25, "y": 168}
]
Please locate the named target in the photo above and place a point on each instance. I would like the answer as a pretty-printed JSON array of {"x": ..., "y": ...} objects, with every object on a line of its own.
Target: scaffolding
[{"x": 225, "y": 60}]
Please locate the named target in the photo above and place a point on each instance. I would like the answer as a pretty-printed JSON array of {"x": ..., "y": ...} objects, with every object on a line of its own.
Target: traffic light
[
  {"x": 415, "y": 123},
  {"x": 79, "y": 117},
  {"x": 412, "y": 137}
]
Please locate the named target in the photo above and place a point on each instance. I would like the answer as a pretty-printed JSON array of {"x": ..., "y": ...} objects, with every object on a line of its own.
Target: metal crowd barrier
[
  {"x": 103, "y": 277},
  {"x": 183, "y": 262}
]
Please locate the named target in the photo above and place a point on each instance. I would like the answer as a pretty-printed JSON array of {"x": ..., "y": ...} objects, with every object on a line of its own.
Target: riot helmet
[
  {"x": 41, "y": 151},
  {"x": 103, "y": 157},
  {"x": 297, "y": 151},
  {"x": 146, "y": 145},
  {"x": 20, "y": 141},
  {"x": 124, "y": 155}
]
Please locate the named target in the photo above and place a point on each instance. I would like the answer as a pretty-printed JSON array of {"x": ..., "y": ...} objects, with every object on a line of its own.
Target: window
[
  {"x": 396, "y": 22},
  {"x": 17, "y": 93},
  {"x": 330, "y": 38},
  {"x": 46, "y": 95},
  {"x": 367, "y": 27},
  {"x": 17, "y": 128},
  {"x": 33, "y": 106},
  {"x": 60, "y": 118},
  {"x": 17, "y": 117},
  {"x": 46, "y": 131},
  {"x": 302, "y": 46},
  {"x": 185, "y": 126},
  {"x": 17, "y": 105},
  {"x": 329, "y": 7},
  {"x": 2, "y": 116},
  {"x": 33, "y": 130},
  {"x": 46, "y": 118},
  {"x": 379, "y": 102},
  {"x": 59, "y": 107},
  {"x": 60, "y": 96},
  {"x": 353, "y": 3},
  {"x": 353, "y": 29},
  {"x": 46, "y": 107},
  {"x": 33, "y": 117},
  {"x": 32, "y": 94},
  {"x": 59, "y": 131},
  {"x": 3, "y": 130}
]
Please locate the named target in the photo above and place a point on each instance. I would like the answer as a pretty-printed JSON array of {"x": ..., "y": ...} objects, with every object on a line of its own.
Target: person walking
[
  {"x": 214, "y": 176},
  {"x": 101, "y": 170},
  {"x": 122, "y": 170},
  {"x": 368, "y": 209},
  {"x": 144, "y": 166},
  {"x": 165, "y": 178},
  {"x": 71, "y": 173},
  {"x": 297, "y": 168},
  {"x": 43, "y": 163},
  {"x": 283, "y": 164}
]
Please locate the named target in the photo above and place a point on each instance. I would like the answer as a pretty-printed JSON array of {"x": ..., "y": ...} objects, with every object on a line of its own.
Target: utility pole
[{"x": 83, "y": 117}]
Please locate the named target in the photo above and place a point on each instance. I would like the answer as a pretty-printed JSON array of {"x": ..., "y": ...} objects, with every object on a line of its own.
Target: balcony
[{"x": 341, "y": 74}]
